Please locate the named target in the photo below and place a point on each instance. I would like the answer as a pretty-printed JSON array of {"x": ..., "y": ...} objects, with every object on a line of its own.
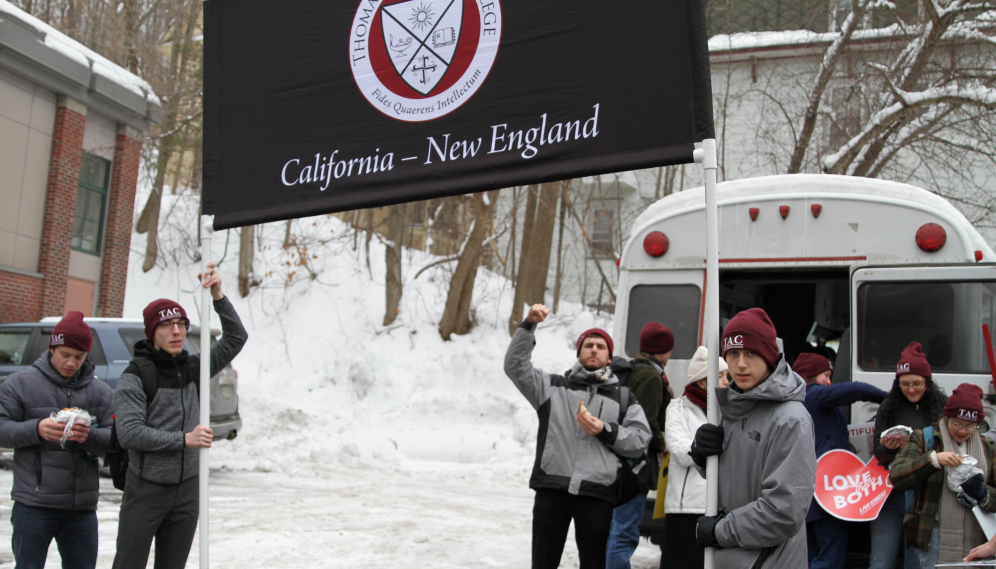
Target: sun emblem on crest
[{"x": 421, "y": 17}]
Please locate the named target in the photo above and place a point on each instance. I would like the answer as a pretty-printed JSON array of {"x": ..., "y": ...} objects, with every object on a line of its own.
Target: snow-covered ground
[{"x": 362, "y": 445}]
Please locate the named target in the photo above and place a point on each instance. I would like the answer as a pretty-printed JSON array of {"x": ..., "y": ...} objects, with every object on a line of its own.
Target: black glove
[
  {"x": 705, "y": 530},
  {"x": 708, "y": 442},
  {"x": 976, "y": 488}
]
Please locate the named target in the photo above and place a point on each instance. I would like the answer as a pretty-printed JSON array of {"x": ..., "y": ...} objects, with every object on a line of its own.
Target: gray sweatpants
[{"x": 166, "y": 512}]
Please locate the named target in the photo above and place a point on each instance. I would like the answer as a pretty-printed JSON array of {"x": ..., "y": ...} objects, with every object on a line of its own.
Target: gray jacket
[
  {"x": 767, "y": 474},
  {"x": 45, "y": 474},
  {"x": 567, "y": 458},
  {"x": 153, "y": 432}
]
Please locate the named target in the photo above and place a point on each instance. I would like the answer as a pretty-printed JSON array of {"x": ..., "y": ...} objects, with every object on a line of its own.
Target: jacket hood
[
  {"x": 782, "y": 384},
  {"x": 146, "y": 349},
  {"x": 44, "y": 365}
]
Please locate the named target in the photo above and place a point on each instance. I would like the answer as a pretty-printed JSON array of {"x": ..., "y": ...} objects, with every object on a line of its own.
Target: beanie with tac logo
[
  {"x": 656, "y": 339},
  {"x": 752, "y": 330},
  {"x": 597, "y": 332},
  {"x": 72, "y": 332},
  {"x": 965, "y": 403},
  {"x": 808, "y": 365},
  {"x": 913, "y": 361},
  {"x": 160, "y": 310}
]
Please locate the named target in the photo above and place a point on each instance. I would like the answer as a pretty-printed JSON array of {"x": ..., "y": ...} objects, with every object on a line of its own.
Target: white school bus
[{"x": 854, "y": 268}]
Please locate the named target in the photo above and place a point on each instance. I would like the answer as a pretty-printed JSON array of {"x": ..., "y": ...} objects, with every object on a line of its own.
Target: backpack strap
[
  {"x": 150, "y": 385},
  {"x": 149, "y": 377}
]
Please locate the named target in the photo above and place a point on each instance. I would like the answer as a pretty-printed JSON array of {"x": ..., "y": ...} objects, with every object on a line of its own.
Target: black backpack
[
  {"x": 116, "y": 459},
  {"x": 634, "y": 475}
]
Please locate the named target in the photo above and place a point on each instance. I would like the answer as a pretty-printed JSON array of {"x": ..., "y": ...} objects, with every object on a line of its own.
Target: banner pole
[
  {"x": 205, "y": 419},
  {"x": 707, "y": 156}
]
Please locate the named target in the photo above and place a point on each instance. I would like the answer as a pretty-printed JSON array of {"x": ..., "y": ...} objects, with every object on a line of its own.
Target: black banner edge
[{"x": 698, "y": 39}]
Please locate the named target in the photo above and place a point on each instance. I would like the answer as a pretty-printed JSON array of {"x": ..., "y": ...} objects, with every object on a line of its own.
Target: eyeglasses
[
  {"x": 913, "y": 385},
  {"x": 169, "y": 324},
  {"x": 969, "y": 428}
]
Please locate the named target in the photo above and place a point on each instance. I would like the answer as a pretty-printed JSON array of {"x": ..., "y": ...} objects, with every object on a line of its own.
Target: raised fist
[{"x": 537, "y": 313}]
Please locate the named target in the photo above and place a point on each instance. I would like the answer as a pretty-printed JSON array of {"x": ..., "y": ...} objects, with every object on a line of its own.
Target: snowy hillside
[{"x": 323, "y": 384}]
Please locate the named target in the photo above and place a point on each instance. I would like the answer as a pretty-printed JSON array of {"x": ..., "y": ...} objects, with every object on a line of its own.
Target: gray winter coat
[
  {"x": 767, "y": 474},
  {"x": 45, "y": 474},
  {"x": 567, "y": 458},
  {"x": 153, "y": 432}
]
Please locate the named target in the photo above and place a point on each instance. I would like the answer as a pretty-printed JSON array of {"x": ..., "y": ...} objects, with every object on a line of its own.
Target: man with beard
[{"x": 584, "y": 423}]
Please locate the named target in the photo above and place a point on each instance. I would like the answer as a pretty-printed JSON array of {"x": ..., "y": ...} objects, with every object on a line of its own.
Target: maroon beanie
[
  {"x": 809, "y": 365},
  {"x": 159, "y": 310},
  {"x": 72, "y": 332},
  {"x": 913, "y": 361},
  {"x": 965, "y": 403},
  {"x": 596, "y": 332},
  {"x": 752, "y": 330},
  {"x": 656, "y": 339}
]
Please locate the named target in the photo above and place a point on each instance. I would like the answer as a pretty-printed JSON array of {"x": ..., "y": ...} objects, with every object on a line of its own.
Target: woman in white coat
[{"x": 685, "y": 500}]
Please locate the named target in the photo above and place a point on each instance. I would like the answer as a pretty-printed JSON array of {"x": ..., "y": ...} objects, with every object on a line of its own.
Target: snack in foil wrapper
[
  {"x": 959, "y": 474},
  {"x": 71, "y": 416},
  {"x": 897, "y": 431}
]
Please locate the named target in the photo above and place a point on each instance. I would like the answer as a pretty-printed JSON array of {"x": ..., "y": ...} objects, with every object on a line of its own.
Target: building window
[
  {"x": 91, "y": 198},
  {"x": 601, "y": 233}
]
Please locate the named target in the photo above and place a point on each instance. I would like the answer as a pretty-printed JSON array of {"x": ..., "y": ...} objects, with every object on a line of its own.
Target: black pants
[
  {"x": 553, "y": 511},
  {"x": 680, "y": 549},
  {"x": 166, "y": 512}
]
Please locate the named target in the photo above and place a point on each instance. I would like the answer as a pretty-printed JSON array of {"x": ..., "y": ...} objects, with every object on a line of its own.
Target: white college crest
[{"x": 417, "y": 60}]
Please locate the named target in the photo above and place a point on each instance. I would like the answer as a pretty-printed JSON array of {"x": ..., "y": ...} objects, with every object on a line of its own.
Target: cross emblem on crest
[{"x": 424, "y": 68}]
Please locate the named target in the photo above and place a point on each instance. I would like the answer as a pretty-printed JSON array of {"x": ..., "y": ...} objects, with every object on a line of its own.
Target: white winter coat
[{"x": 686, "y": 489}]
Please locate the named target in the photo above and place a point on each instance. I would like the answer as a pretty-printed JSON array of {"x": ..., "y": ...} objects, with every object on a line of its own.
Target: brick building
[{"x": 71, "y": 129}]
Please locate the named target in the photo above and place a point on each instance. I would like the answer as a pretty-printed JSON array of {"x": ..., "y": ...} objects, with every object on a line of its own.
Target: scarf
[
  {"x": 600, "y": 375},
  {"x": 960, "y": 531},
  {"x": 696, "y": 395}
]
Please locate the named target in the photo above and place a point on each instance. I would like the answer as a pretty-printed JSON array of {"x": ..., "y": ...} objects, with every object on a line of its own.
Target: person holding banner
[
  {"x": 826, "y": 535},
  {"x": 916, "y": 402},
  {"x": 941, "y": 525},
  {"x": 161, "y": 431},
  {"x": 583, "y": 431},
  {"x": 685, "y": 499},
  {"x": 767, "y": 457}
]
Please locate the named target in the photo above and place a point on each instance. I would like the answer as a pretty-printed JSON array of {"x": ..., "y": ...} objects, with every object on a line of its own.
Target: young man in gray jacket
[
  {"x": 576, "y": 450},
  {"x": 162, "y": 435},
  {"x": 767, "y": 461},
  {"x": 55, "y": 485}
]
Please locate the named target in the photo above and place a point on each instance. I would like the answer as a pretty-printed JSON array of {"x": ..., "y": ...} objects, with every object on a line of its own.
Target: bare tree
[
  {"x": 456, "y": 315},
  {"x": 245, "y": 258},
  {"x": 397, "y": 222},
  {"x": 534, "y": 258}
]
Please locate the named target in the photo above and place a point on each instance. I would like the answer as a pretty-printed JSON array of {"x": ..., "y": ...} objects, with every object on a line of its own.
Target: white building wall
[{"x": 27, "y": 117}]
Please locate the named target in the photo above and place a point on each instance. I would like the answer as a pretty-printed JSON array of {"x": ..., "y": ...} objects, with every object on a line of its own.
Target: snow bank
[{"x": 324, "y": 385}]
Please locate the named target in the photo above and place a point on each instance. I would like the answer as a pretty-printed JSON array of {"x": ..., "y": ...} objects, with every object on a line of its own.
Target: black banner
[{"x": 315, "y": 107}]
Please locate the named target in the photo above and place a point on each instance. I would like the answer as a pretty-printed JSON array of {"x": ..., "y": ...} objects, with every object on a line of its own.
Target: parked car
[{"x": 113, "y": 348}]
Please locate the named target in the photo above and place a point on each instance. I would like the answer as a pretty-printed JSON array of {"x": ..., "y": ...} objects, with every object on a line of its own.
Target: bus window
[
  {"x": 675, "y": 306},
  {"x": 945, "y": 317}
]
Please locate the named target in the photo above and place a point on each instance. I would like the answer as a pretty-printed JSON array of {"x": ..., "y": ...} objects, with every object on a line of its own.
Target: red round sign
[{"x": 849, "y": 489}]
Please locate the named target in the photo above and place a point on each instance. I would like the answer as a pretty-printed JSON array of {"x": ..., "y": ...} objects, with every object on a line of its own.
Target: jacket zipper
[
  {"x": 183, "y": 423},
  {"x": 681, "y": 501},
  {"x": 69, "y": 403}
]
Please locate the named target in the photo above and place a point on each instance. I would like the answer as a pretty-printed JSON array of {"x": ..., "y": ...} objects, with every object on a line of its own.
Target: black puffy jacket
[{"x": 45, "y": 474}]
